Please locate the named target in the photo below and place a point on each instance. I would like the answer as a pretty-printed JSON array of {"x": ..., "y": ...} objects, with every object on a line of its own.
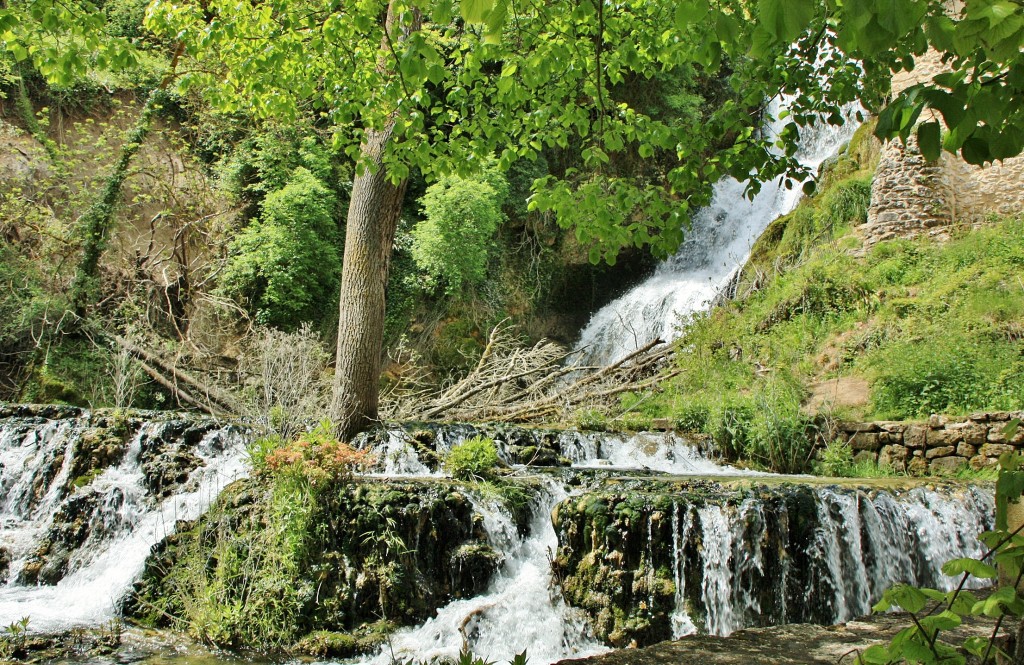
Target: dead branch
[
  {"x": 216, "y": 399},
  {"x": 517, "y": 384}
]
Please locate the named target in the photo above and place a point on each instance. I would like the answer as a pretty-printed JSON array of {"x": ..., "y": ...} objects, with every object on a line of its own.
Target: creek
[{"x": 647, "y": 534}]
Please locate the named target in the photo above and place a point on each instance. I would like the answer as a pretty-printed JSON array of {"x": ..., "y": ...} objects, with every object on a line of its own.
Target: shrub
[
  {"x": 475, "y": 458},
  {"x": 835, "y": 459},
  {"x": 285, "y": 379},
  {"x": 285, "y": 265},
  {"x": 453, "y": 243},
  {"x": 316, "y": 456}
]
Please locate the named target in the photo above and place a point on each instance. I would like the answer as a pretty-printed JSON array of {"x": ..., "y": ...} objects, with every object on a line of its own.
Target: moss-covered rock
[{"x": 272, "y": 562}]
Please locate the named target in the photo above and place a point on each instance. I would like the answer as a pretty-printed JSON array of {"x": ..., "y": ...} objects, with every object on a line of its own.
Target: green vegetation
[
  {"x": 475, "y": 458},
  {"x": 284, "y": 265},
  {"x": 452, "y": 243}
]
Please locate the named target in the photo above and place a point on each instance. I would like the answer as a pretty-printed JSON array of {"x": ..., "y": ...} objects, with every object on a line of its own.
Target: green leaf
[
  {"x": 976, "y": 151},
  {"x": 929, "y": 140},
  {"x": 475, "y": 11},
  {"x": 786, "y": 19},
  {"x": 972, "y": 566},
  {"x": 909, "y": 598},
  {"x": 689, "y": 12},
  {"x": 875, "y": 654}
]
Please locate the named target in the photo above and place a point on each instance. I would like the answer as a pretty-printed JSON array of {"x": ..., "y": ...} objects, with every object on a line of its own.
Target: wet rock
[
  {"x": 472, "y": 566},
  {"x": 5, "y": 564},
  {"x": 71, "y": 527},
  {"x": 634, "y": 554}
]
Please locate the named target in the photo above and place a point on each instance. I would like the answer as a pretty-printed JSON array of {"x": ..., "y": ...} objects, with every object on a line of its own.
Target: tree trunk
[{"x": 373, "y": 213}]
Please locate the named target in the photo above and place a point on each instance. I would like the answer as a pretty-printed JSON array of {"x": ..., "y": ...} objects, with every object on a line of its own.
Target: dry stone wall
[{"x": 941, "y": 445}]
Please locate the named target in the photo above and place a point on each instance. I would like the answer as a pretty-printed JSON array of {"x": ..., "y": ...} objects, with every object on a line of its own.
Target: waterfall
[
  {"x": 715, "y": 249},
  {"x": 521, "y": 608},
  {"x": 753, "y": 572},
  {"x": 93, "y": 534}
]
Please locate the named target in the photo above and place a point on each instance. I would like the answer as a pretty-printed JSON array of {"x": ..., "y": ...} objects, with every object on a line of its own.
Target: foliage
[
  {"x": 453, "y": 243},
  {"x": 836, "y": 459},
  {"x": 933, "y": 612},
  {"x": 314, "y": 457},
  {"x": 475, "y": 458},
  {"x": 284, "y": 265},
  {"x": 12, "y": 643}
]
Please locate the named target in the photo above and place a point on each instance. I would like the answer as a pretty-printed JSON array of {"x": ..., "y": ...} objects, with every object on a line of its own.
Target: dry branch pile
[{"x": 515, "y": 384}]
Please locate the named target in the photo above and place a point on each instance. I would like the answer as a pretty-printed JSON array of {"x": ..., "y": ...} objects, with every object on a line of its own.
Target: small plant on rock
[
  {"x": 473, "y": 459},
  {"x": 316, "y": 456}
]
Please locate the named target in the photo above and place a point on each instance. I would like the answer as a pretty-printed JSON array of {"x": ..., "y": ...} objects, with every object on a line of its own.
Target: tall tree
[{"x": 419, "y": 84}]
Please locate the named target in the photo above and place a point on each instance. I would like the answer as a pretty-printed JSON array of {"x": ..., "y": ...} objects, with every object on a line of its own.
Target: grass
[{"x": 931, "y": 327}]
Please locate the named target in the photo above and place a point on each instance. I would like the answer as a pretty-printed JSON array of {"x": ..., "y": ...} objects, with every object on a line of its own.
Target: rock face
[{"x": 649, "y": 560}]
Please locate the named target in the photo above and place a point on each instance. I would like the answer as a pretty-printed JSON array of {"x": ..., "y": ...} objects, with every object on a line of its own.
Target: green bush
[
  {"x": 473, "y": 459},
  {"x": 453, "y": 243},
  {"x": 285, "y": 265}
]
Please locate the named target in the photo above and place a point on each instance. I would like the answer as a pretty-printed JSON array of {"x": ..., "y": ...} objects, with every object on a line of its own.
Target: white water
[
  {"x": 521, "y": 608},
  {"x": 715, "y": 248},
  {"x": 666, "y": 452},
  {"x": 126, "y": 523},
  {"x": 861, "y": 546}
]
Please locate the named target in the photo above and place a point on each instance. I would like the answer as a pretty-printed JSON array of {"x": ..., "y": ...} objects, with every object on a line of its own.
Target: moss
[{"x": 274, "y": 561}]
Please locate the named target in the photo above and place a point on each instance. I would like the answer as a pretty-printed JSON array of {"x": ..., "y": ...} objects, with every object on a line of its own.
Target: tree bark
[{"x": 374, "y": 209}]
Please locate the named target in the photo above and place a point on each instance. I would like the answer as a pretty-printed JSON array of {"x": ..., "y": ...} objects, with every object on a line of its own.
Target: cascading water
[
  {"x": 104, "y": 525},
  {"x": 765, "y": 555},
  {"x": 715, "y": 249},
  {"x": 753, "y": 573},
  {"x": 520, "y": 609}
]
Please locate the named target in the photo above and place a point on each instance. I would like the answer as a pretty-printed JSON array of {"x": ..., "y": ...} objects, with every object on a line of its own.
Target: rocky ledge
[{"x": 804, "y": 644}]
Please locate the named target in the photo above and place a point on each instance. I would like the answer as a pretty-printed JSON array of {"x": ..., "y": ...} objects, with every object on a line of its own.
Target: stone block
[
  {"x": 975, "y": 434},
  {"x": 935, "y": 421},
  {"x": 994, "y": 450},
  {"x": 865, "y": 456},
  {"x": 946, "y": 465},
  {"x": 981, "y": 462},
  {"x": 914, "y": 437},
  {"x": 966, "y": 450},
  {"x": 941, "y": 451},
  {"x": 893, "y": 426},
  {"x": 865, "y": 441},
  {"x": 893, "y": 456},
  {"x": 942, "y": 437},
  {"x": 995, "y": 434},
  {"x": 917, "y": 467},
  {"x": 858, "y": 427}
]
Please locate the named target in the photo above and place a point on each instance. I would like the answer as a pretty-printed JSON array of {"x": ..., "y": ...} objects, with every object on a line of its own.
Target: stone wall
[
  {"x": 912, "y": 197},
  {"x": 940, "y": 445}
]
